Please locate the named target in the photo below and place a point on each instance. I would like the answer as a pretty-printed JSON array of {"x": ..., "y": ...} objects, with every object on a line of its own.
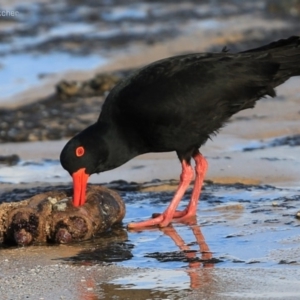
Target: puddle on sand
[
  {"x": 46, "y": 170},
  {"x": 289, "y": 140},
  {"x": 240, "y": 224},
  {"x": 22, "y": 71}
]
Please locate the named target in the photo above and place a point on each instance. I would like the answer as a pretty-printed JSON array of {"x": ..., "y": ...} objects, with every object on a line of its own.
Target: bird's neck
[{"x": 121, "y": 147}]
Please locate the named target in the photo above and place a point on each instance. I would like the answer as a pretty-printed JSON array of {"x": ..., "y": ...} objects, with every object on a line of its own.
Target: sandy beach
[{"x": 246, "y": 215}]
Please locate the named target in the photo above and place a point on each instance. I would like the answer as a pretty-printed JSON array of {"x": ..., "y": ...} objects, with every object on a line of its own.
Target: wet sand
[{"x": 44, "y": 272}]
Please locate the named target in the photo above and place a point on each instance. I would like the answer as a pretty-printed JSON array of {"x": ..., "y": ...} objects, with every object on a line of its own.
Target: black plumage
[{"x": 176, "y": 104}]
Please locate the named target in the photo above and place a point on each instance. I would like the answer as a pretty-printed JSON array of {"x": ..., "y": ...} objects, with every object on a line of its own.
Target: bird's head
[{"x": 83, "y": 156}]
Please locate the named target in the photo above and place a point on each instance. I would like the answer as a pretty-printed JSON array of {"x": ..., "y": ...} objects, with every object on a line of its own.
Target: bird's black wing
[{"x": 189, "y": 95}]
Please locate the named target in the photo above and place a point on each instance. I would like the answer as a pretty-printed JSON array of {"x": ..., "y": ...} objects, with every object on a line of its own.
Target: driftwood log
[{"x": 51, "y": 217}]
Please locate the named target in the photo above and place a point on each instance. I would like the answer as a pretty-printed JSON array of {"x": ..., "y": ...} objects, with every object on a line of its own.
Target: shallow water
[
  {"x": 22, "y": 71},
  {"x": 234, "y": 224},
  {"x": 237, "y": 226},
  {"x": 46, "y": 170}
]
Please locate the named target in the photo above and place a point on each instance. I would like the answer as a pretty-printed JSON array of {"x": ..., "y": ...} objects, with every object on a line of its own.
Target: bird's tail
[{"x": 286, "y": 52}]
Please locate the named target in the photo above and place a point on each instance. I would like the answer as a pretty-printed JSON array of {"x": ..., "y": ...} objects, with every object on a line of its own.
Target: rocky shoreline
[{"x": 76, "y": 104}]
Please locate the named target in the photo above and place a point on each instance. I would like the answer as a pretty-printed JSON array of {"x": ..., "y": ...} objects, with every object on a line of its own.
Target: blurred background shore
[{"x": 60, "y": 59}]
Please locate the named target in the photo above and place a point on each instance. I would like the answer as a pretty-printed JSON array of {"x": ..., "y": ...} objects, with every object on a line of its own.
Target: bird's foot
[
  {"x": 162, "y": 220},
  {"x": 177, "y": 214},
  {"x": 181, "y": 216}
]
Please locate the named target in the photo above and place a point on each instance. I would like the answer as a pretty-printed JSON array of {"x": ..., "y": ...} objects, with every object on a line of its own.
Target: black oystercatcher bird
[{"x": 176, "y": 104}]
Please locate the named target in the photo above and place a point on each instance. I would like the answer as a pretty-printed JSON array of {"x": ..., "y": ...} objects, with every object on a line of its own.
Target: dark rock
[{"x": 10, "y": 160}]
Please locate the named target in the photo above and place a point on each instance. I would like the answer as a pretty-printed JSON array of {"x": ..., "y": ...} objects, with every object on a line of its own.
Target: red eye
[{"x": 79, "y": 151}]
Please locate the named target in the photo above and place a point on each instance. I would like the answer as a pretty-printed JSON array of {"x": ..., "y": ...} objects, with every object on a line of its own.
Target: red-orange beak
[{"x": 80, "y": 179}]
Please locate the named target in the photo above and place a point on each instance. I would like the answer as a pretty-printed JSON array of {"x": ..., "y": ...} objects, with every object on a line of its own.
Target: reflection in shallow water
[
  {"x": 151, "y": 282},
  {"x": 244, "y": 227},
  {"x": 195, "y": 259},
  {"x": 194, "y": 262}
]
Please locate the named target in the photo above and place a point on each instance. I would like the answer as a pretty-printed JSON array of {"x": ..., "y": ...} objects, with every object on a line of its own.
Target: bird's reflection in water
[
  {"x": 194, "y": 262},
  {"x": 87, "y": 289},
  {"x": 197, "y": 260}
]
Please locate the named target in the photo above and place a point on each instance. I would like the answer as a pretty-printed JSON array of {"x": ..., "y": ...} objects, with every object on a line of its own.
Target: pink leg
[
  {"x": 166, "y": 217},
  {"x": 200, "y": 168}
]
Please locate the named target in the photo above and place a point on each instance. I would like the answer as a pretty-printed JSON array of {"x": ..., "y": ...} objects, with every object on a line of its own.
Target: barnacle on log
[{"x": 51, "y": 217}]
